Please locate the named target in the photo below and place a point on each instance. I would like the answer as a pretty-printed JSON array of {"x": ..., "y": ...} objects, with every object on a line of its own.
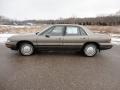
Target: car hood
[{"x": 22, "y": 37}]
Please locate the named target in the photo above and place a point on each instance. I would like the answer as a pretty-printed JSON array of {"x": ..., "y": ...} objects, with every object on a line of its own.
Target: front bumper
[
  {"x": 105, "y": 46},
  {"x": 11, "y": 45}
]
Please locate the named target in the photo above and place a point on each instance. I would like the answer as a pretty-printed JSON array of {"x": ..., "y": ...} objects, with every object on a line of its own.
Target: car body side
[{"x": 61, "y": 42}]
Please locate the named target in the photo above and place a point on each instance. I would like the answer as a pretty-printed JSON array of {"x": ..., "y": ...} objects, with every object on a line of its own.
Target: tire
[
  {"x": 26, "y": 49},
  {"x": 90, "y": 50}
]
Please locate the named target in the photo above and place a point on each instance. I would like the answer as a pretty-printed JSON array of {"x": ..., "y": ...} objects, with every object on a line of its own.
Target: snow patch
[
  {"x": 115, "y": 41},
  {"x": 4, "y": 37}
]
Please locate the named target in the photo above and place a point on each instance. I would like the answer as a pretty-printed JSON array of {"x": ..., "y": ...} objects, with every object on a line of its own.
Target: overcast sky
[{"x": 54, "y": 9}]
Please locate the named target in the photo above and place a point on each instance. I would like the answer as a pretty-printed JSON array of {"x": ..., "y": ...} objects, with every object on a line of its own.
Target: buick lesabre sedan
[{"x": 61, "y": 37}]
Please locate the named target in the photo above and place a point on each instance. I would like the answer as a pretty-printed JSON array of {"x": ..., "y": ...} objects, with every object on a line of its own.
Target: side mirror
[
  {"x": 36, "y": 33},
  {"x": 47, "y": 35}
]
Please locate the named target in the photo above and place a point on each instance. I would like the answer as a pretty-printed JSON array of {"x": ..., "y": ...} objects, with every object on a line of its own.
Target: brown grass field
[{"x": 32, "y": 29}]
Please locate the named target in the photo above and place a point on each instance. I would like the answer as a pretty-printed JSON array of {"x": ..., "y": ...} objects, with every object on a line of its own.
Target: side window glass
[
  {"x": 47, "y": 31},
  {"x": 82, "y": 32},
  {"x": 57, "y": 31},
  {"x": 72, "y": 31}
]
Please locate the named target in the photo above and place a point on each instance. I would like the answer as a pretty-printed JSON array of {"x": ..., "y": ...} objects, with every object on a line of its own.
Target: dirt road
[{"x": 60, "y": 71}]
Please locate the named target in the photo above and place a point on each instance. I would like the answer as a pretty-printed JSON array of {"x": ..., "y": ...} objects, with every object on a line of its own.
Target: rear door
[{"x": 74, "y": 37}]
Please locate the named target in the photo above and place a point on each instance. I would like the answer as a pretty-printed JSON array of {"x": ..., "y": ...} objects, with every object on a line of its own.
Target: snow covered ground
[
  {"x": 3, "y": 37},
  {"x": 115, "y": 38}
]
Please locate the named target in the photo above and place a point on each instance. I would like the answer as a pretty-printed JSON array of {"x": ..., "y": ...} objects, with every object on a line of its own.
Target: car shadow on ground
[{"x": 56, "y": 53}]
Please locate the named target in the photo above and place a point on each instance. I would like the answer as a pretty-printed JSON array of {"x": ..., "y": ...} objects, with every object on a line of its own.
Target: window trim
[{"x": 64, "y": 30}]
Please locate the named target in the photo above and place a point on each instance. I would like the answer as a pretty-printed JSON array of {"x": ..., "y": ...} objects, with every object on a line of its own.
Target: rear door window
[{"x": 72, "y": 31}]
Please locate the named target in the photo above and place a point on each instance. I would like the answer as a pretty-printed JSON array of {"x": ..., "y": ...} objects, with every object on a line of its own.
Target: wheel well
[
  {"x": 95, "y": 43},
  {"x": 20, "y": 42}
]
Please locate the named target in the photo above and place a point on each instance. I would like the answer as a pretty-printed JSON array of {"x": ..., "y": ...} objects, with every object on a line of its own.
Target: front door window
[{"x": 57, "y": 31}]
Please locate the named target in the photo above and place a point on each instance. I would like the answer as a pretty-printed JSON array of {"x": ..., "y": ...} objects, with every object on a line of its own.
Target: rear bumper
[{"x": 106, "y": 46}]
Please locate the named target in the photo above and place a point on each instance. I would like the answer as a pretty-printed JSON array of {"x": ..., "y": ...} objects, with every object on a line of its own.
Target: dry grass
[
  {"x": 31, "y": 29},
  {"x": 21, "y": 29},
  {"x": 105, "y": 29}
]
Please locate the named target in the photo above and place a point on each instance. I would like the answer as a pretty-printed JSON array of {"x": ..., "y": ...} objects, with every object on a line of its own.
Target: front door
[{"x": 51, "y": 38}]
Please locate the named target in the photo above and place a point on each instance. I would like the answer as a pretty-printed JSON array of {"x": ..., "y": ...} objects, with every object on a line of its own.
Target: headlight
[{"x": 8, "y": 40}]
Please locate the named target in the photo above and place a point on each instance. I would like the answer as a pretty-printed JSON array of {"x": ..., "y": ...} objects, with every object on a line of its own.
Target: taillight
[{"x": 109, "y": 38}]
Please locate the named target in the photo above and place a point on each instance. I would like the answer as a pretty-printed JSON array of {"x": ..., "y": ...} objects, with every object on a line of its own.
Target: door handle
[{"x": 83, "y": 38}]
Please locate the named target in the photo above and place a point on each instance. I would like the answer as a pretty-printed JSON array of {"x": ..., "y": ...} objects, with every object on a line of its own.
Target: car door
[
  {"x": 74, "y": 36},
  {"x": 51, "y": 37}
]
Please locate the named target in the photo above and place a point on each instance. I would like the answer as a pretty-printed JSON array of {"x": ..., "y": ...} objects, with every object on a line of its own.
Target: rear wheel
[
  {"x": 26, "y": 49},
  {"x": 90, "y": 50}
]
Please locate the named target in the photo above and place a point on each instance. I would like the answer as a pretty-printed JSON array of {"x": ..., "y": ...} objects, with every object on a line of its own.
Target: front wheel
[
  {"x": 90, "y": 50},
  {"x": 26, "y": 49}
]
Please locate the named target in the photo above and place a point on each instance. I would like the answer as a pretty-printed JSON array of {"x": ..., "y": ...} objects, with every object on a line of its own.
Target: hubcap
[
  {"x": 26, "y": 50},
  {"x": 90, "y": 50}
]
